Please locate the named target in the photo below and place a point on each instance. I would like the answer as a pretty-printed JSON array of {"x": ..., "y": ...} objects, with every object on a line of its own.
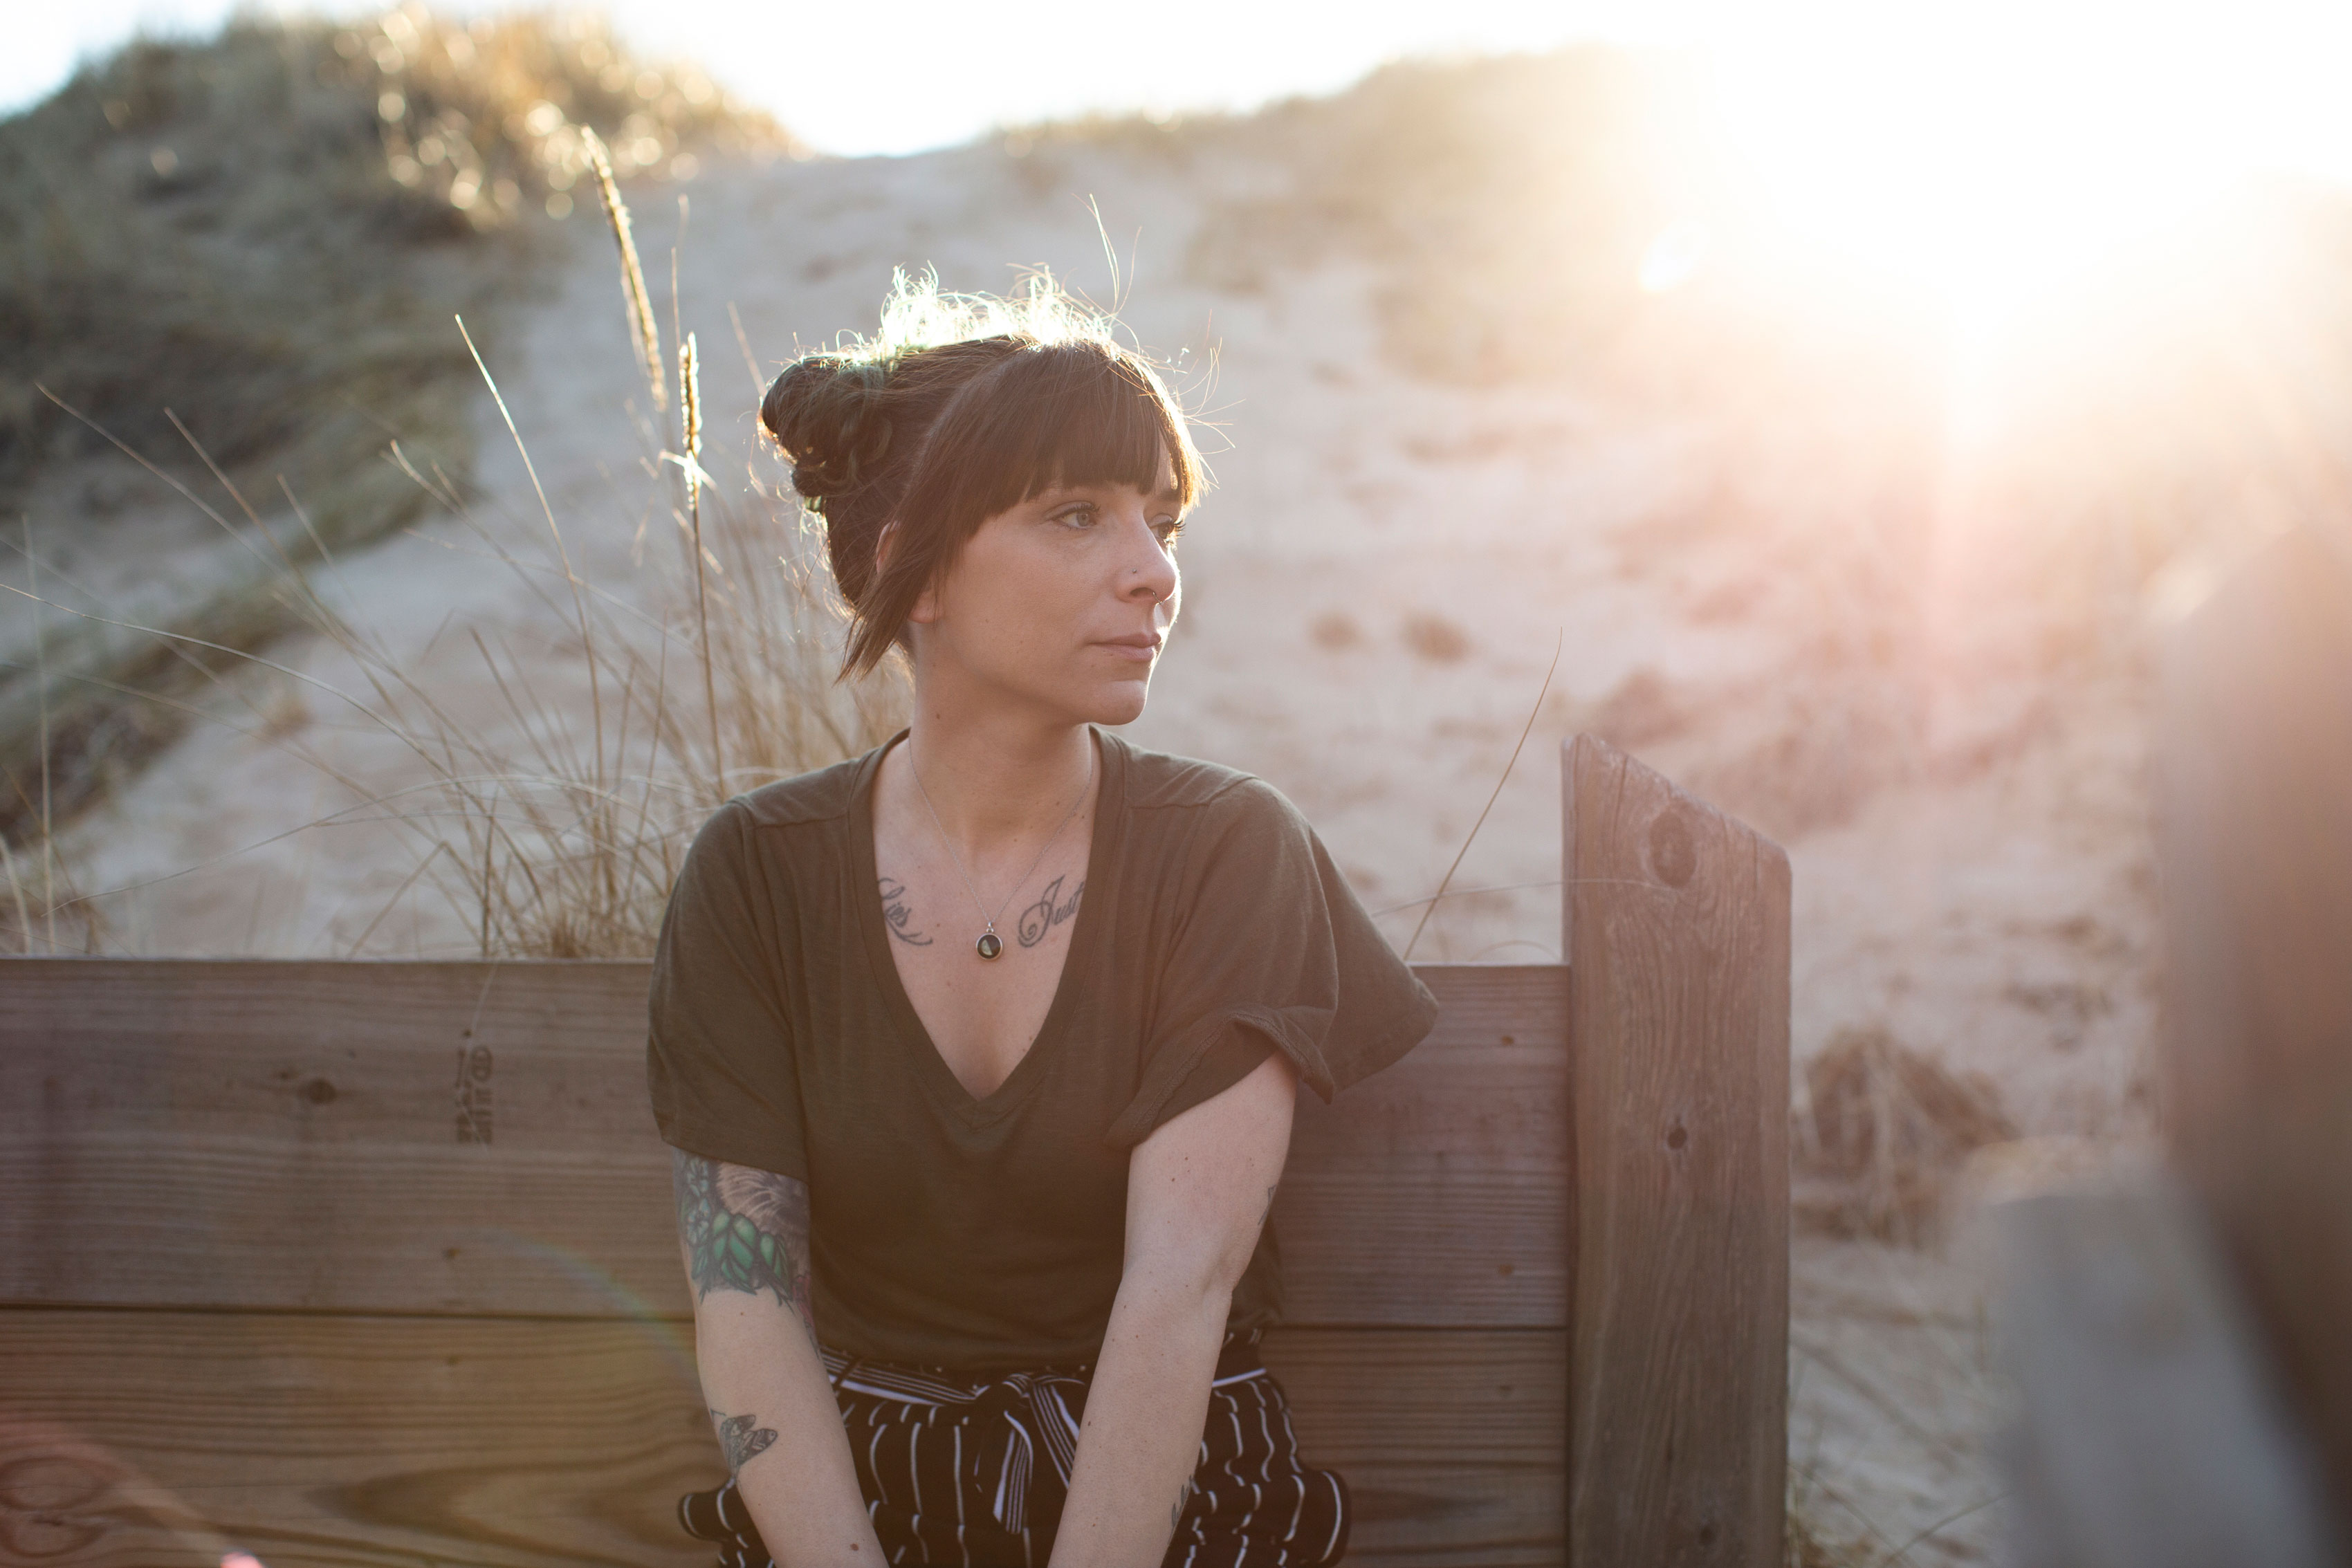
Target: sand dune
[{"x": 1373, "y": 593}]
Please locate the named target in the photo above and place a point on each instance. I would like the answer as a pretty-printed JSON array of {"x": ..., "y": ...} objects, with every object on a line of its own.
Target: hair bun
[{"x": 825, "y": 412}]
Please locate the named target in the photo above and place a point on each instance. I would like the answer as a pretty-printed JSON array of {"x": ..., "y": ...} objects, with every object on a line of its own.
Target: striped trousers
[{"x": 959, "y": 1473}]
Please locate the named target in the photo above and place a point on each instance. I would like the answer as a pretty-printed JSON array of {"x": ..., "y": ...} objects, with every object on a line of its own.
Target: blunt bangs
[{"x": 1054, "y": 416}]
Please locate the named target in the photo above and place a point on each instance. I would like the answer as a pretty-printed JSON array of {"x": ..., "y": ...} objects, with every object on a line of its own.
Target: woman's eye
[
  {"x": 1167, "y": 529},
  {"x": 1077, "y": 516}
]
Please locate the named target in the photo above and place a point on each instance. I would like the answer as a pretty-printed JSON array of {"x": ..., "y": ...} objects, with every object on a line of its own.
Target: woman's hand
[
  {"x": 744, "y": 1235},
  {"x": 1198, "y": 1192}
]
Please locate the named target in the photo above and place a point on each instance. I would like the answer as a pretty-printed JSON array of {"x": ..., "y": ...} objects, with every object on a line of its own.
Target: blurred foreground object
[
  {"x": 2152, "y": 1435},
  {"x": 2185, "y": 1351}
]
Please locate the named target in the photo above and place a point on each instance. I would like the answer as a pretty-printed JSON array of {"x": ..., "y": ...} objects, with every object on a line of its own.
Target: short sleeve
[
  {"x": 719, "y": 1047},
  {"x": 1272, "y": 951}
]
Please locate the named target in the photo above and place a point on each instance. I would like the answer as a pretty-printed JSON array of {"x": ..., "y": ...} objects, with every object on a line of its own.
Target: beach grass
[{"x": 559, "y": 839}]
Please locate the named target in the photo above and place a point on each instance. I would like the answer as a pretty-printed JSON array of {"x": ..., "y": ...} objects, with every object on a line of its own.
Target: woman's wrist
[{"x": 1140, "y": 1438}]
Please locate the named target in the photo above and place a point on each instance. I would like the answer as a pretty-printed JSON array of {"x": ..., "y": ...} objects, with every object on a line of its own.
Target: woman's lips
[{"x": 1139, "y": 649}]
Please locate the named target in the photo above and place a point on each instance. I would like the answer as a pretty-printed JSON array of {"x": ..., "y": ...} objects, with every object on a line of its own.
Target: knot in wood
[{"x": 1673, "y": 854}]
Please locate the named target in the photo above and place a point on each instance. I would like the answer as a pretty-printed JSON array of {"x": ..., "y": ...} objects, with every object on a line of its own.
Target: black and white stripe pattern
[{"x": 952, "y": 1474}]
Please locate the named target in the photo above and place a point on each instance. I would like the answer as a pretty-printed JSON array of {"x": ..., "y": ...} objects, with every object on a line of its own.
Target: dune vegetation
[{"x": 240, "y": 256}]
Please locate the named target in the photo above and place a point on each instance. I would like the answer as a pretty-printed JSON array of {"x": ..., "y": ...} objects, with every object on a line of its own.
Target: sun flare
[{"x": 1998, "y": 155}]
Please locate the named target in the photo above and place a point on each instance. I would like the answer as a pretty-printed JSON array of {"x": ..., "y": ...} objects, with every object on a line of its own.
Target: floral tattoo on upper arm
[{"x": 743, "y": 1229}]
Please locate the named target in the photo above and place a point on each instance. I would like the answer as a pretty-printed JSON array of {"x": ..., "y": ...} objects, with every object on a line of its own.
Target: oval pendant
[{"x": 990, "y": 944}]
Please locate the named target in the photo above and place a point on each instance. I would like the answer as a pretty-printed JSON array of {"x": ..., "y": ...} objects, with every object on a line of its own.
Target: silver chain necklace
[{"x": 990, "y": 943}]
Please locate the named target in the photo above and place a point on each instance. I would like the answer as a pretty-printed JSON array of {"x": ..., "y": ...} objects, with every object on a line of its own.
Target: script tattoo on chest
[
  {"x": 900, "y": 914},
  {"x": 1047, "y": 913}
]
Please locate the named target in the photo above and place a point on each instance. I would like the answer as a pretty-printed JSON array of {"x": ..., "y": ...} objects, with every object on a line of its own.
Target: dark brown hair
[{"x": 941, "y": 435}]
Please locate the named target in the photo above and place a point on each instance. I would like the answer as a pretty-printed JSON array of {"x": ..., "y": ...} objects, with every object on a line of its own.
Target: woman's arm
[
  {"x": 1198, "y": 1190},
  {"x": 744, "y": 1234}
]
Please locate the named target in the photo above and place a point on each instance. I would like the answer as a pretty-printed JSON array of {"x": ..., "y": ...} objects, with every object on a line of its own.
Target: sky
[
  {"x": 901, "y": 77},
  {"x": 2003, "y": 139}
]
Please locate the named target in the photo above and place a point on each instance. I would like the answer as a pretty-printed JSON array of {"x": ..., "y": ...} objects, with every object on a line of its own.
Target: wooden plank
[
  {"x": 1450, "y": 1440},
  {"x": 472, "y": 1137},
  {"x": 2149, "y": 1432},
  {"x": 1457, "y": 1157},
  {"x": 2255, "y": 752},
  {"x": 349, "y": 1442},
  {"x": 1677, "y": 936},
  {"x": 150, "y": 1439},
  {"x": 387, "y": 1136}
]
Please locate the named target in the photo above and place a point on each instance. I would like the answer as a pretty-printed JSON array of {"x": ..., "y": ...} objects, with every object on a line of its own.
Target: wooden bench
[{"x": 372, "y": 1264}]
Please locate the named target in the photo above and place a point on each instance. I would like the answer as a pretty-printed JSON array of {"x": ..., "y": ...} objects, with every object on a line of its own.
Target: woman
[{"x": 977, "y": 1053}]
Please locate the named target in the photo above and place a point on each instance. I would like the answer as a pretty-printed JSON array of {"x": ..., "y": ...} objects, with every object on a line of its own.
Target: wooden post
[
  {"x": 1678, "y": 943},
  {"x": 2256, "y": 813}
]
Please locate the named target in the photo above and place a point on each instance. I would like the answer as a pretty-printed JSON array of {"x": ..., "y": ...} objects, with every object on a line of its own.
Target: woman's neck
[{"x": 993, "y": 779}]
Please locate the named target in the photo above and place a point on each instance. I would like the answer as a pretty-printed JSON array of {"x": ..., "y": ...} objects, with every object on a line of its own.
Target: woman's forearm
[
  {"x": 1140, "y": 1440},
  {"x": 777, "y": 1423},
  {"x": 743, "y": 1236},
  {"x": 1198, "y": 1192}
]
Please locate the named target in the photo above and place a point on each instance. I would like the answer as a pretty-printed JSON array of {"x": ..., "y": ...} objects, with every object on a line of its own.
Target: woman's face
[{"x": 1058, "y": 605}]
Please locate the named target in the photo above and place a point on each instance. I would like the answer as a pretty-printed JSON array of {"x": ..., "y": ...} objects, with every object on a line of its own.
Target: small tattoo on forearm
[
  {"x": 901, "y": 918},
  {"x": 1183, "y": 1496},
  {"x": 1269, "y": 1207},
  {"x": 740, "y": 1437},
  {"x": 1045, "y": 913}
]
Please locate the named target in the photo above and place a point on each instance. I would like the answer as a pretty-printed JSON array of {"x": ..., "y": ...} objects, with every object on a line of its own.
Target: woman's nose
[{"x": 1149, "y": 571}]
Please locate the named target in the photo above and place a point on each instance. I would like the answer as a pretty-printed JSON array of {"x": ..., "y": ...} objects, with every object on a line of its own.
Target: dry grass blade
[
  {"x": 646, "y": 334},
  {"x": 1541, "y": 691},
  {"x": 41, "y": 660},
  {"x": 563, "y": 553},
  {"x": 17, "y": 890},
  {"x": 1903, "y": 1553},
  {"x": 689, "y": 380}
]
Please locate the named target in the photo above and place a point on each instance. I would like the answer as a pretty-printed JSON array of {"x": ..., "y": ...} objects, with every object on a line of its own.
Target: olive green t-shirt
[{"x": 986, "y": 1235}]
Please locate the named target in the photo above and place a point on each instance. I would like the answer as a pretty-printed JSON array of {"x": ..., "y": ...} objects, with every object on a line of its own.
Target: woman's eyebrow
[{"x": 1053, "y": 494}]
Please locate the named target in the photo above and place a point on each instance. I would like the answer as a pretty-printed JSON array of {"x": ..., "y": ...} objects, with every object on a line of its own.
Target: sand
[{"x": 1991, "y": 907}]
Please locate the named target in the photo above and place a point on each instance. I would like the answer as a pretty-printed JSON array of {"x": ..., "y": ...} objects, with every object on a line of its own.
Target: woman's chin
[{"x": 1119, "y": 702}]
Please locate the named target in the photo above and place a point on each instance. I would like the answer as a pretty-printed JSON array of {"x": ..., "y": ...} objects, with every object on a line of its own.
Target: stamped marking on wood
[{"x": 477, "y": 1104}]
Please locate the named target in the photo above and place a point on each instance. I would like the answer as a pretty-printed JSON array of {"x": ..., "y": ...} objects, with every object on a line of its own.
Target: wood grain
[
  {"x": 2255, "y": 776},
  {"x": 1677, "y": 935},
  {"x": 349, "y": 1441},
  {"x": 1450, "y": 1440},
  {"x": 152, "y": 1439},
  {"x": 282, "y": 1135},
  {"x": 1455, "y": 1159}
]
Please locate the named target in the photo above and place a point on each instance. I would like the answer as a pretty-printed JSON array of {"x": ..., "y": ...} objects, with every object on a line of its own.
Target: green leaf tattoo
[{"x": 743, "y": 1229}]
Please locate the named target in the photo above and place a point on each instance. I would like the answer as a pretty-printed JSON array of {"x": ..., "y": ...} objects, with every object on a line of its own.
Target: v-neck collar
[{"x": 1089, "y": 932}]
